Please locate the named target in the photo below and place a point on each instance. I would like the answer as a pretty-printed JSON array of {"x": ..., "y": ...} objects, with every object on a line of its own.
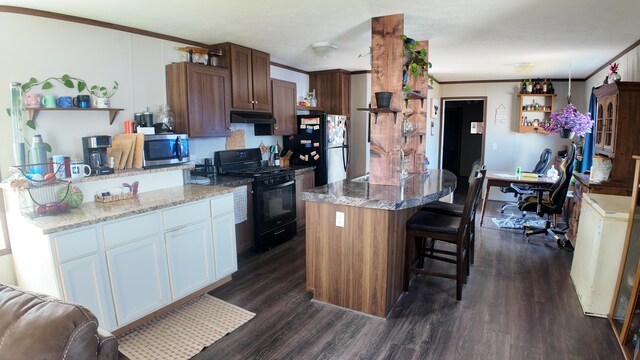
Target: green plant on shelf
[
  {"x": 415, "y": 62},
  {"x": 103, "y": 91}
]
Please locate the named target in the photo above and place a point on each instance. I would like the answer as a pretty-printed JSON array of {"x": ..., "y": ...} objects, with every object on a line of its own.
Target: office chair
[
  {"x": 553, "y": 204},
  {"x": 519, "y": 190}
]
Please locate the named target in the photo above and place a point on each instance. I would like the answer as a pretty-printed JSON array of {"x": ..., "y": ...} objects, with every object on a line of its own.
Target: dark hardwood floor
[{"x": 519, "y": 303}]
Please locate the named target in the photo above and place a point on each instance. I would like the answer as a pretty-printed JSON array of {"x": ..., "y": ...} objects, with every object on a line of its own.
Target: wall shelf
[
  {"x": 377, "y": 111},
  {"x": 33, "y": 112},
  {"x": 414, "y": 134},
  {"x": 528, "y": 117},
  {"x": 414, "y": 96}
]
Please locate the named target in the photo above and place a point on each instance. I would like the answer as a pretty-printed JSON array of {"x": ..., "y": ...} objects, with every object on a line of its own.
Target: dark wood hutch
[{"x": 617, "y": 136}]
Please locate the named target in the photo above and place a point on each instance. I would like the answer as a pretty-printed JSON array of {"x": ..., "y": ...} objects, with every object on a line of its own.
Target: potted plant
[
  {"x": 102, "y": 94},
  {"x": 383, "y": 98},
  {"x": 568, "y": 122},
  {"x": 414, "y": 61}
]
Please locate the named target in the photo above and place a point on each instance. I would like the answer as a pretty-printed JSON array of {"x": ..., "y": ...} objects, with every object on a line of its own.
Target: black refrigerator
[{"x": 322, "y": 141}]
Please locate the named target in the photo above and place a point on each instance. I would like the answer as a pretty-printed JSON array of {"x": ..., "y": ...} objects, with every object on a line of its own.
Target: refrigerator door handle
[{"x": 345, "y": 159}]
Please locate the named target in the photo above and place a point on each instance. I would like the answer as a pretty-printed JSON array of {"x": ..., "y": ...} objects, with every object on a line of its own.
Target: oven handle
[{"x": 289, "y": 183}]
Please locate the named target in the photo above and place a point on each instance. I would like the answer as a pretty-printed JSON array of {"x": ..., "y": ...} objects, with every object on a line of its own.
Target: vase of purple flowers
[{"x": 568, "y": 121}]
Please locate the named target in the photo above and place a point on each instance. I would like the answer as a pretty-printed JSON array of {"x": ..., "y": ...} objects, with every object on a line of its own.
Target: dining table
[{"x": 506, "y": 178}]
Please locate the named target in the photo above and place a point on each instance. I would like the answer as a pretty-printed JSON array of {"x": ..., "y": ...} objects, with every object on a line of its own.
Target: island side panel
[
  {"x": 396, "y": 249},
  {"x": 358, "y": 266}
]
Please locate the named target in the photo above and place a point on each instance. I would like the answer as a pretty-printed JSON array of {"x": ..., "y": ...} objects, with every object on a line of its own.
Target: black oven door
[{"x": 275, "y": 206}]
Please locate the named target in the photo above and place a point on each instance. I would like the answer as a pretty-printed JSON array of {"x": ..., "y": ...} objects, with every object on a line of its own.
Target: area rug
[
  {"x": 517, "y": 222},
  {"x": 184, "y": 331}
]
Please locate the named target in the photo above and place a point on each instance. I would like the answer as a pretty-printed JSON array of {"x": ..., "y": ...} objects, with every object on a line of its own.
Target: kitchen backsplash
[{"x": 205, "y": 147}]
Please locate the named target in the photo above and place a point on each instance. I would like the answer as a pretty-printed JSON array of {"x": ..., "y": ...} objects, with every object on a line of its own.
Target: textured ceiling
[{"x": 469, "y": 39}]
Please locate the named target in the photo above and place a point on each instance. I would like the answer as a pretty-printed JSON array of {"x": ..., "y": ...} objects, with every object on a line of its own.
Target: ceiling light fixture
[
  {"x": 523, "y": 68},
  {"x": 323, "y": 48}
]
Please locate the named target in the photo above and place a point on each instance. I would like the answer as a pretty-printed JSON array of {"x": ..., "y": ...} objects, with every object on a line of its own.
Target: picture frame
[{"x": 434, "y": 107}]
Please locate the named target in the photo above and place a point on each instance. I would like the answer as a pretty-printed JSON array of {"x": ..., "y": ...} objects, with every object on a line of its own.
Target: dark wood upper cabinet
[
  {"x": 284, "y": 107},
  {"x": 617, "y": 122},
  {"x": 200, "y": 97},
  {"x": 261, "y": 67},
  {"x": 333, "y": 90},
  {"x": 250, "y": 76}
]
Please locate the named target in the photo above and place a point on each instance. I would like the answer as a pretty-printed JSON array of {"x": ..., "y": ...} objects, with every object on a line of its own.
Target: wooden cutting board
[
  {"x": 138, "y": 151},
  {"x": 117, "y": 154},
  {"x": 125, "y": 143}
]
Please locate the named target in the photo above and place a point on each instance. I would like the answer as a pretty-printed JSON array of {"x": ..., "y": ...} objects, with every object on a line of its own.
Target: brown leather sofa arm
[
  {"x": 36, "y": 326},
  {"x": 107, "y": 345}
]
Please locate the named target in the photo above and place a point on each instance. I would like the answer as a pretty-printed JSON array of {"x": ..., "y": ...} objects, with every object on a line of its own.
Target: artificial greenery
[
  {"x": 66, "y": 80},
  {"x": 416, "y": 63},
  {"x": 69, "y": 82},
  {"x": 102, "y": 91}
]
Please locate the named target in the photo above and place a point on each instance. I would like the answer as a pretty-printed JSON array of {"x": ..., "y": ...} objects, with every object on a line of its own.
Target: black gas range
[{"x": 274, "y": 195}]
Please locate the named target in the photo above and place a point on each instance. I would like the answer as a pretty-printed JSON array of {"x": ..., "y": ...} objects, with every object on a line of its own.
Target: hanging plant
[
  {"x": 569, "y": 120},
  {"x": 415, "y": 61}
]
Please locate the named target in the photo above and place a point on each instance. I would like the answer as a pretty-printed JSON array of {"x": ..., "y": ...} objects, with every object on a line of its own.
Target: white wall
[
  {"x": 7, "y": 275},
  {"x": 505, "y": 149},
  {"x": 45, "y": 48},
  {"x": 432, "y": 141},
  {"x": 629, "y": 70}
]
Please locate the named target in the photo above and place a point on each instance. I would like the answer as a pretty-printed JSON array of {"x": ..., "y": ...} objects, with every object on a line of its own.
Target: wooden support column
[
  {"x": 417, "y": 111},
  {"x": 386, "y": 75}
]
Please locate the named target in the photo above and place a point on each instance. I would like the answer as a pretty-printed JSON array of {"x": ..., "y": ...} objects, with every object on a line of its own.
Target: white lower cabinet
[
  {"x": 85, "y": 282},
  {"x": 599, "y": 250},
  {"x": 224, "y": 244},
  {"x": 139, "y": 279},
  {"x": 190, "y": 260},
  {"x": 125, "y": 269}
]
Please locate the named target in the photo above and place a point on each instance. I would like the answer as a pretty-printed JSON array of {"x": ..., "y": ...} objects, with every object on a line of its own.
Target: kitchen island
[
  {"x": 356, "y": 238},
  {"x": 130, "y": 260}
]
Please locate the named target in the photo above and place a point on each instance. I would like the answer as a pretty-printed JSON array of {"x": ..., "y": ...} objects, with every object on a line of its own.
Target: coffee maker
[{"x": 94, "y": 149}]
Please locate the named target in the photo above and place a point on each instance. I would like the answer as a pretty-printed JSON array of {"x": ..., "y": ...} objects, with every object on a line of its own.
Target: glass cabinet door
[
  {"x": 625, "y": 317},
  {"x": 610, "y": 123},
  {"x": 599, "y": 126}
]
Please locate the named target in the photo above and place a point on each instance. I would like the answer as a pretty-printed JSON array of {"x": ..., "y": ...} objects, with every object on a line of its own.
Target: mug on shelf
[
  {"x": 32, "y": 100},
  {"x": 64, "y": 102},
  {"x": 59, "y": 166},
  {"x": 101, "y": 102},
  {"x": 79, "y": 169},
  {"x": 49, "y": 101},
  {"x": 129, "y": 126},
  {"x": 82, "y": 101}
]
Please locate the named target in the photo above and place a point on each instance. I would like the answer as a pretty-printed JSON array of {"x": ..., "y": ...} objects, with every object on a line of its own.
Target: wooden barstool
[
  {"x": 457, "y": 209},
  {"x": 425, "y": 228}
]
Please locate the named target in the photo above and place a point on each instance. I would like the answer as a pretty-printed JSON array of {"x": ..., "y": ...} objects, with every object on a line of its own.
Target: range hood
[{"x": 251, "y": 117}]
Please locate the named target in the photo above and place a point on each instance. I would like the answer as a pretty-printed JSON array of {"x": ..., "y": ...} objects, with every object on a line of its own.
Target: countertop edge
[
  {"x": 215, "y": 191},
  {"x": 374, "y": 203}
]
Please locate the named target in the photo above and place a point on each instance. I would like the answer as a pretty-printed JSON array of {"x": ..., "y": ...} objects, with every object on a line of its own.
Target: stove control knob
[
  {"x": 270, "y": 181},
  {"x": 265, "y": 182}
]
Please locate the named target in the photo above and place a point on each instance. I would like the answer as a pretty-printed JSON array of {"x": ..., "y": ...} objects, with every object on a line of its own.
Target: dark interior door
[{"x": 451, "y": 140}]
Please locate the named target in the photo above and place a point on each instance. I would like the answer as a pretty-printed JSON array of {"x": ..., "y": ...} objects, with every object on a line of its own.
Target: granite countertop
[
  {"x": 95, "y": 212},
  {"x": 416, "y": 190}
]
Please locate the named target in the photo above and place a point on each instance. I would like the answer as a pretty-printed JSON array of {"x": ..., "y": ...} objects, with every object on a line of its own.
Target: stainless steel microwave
[{"x": 165, "y": 149}]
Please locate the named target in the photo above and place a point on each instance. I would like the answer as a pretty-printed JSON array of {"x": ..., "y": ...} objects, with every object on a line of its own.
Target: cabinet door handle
[
  {"x": 255, "y": 102},
  {"x": 275, "y": 127}
]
